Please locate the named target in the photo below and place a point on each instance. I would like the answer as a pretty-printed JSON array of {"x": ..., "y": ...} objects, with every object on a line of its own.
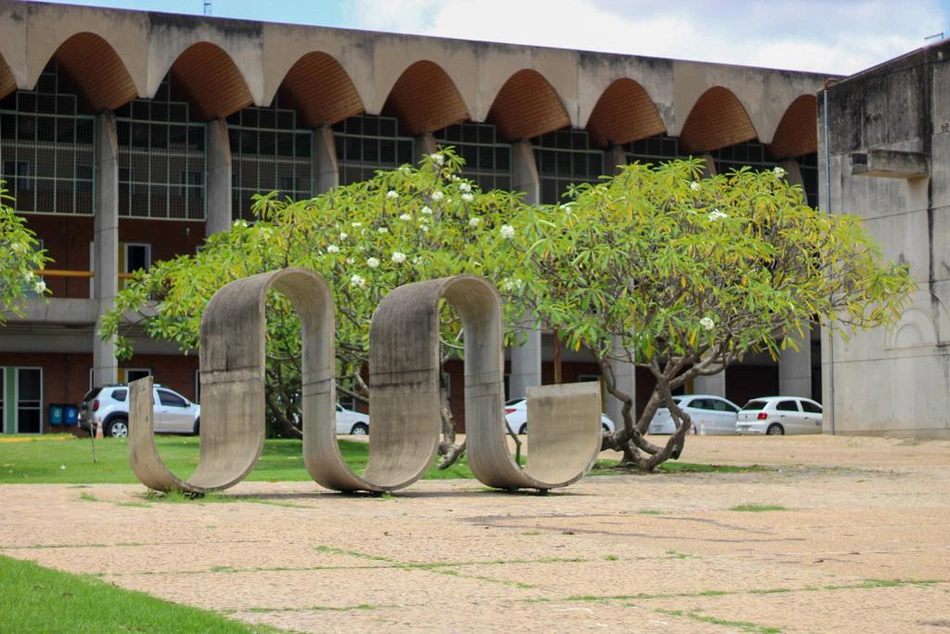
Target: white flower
[
  {"x": 507, "y": 232},
  {"x": 465, "y": 187},
  {"x": 437, "y": 196},
  {"x": 357, "y": 280},
  {"x": 694, "y": 186},
  {"x": 779, "y": 172},
  {"x": 405, "y": 217},
  {"x": 382, "y": 230},
  {"x": 707, "y": 323},
  {"x": 425, "y": 228},
  {"x": 398, "y": 257},
  {"x": 343, "y": 235},
  {"x": 392, "y": 194},
  {"x": 715, "y": 214},
  {"x": 512, "y": 284},
  {"x": 474, "y": 222},
  {"x": 438, "y": 158},
  {"x": 40, "y": 287},
  {"x": 332, "y": 248},
  {"x": 356, "y": 224},
  {"x": 350, "y": 260},
  {"x": 372, "y": 263},
  {"x": 417, "y": 260},
  {"x": 425, "y": 211},
  {"x": 240, "y": 223},
  {"x": 468, "y": 198}
]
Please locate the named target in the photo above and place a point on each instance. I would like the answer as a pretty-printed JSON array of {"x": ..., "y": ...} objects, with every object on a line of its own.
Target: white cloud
[{"x": 833, "y": 36}]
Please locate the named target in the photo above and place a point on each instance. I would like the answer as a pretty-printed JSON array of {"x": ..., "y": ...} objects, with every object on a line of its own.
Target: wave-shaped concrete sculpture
[{"x": 405, "y": 368}]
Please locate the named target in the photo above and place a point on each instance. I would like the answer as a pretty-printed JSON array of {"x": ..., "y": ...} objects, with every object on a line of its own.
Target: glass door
[{"x": 29, "y": 403}]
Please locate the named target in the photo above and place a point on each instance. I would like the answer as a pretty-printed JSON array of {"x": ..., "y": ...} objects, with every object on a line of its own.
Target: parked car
[
  {"x": 712, "y": 415},
  {"x": 516, "y": 414},
  {"x": 351, "y": 422},
  {"x": 778, "y": 415},
  {"x": 109, "y": 406}
]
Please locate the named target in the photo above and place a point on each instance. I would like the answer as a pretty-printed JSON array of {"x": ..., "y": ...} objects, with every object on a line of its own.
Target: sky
[{"x": 835, "y": 37}]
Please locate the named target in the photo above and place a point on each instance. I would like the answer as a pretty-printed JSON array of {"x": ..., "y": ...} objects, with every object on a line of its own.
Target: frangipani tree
[
  {"x": 683, "y": 276},
  {"x": 20, "y": 258},
  {"x": 404, "y": 225}
]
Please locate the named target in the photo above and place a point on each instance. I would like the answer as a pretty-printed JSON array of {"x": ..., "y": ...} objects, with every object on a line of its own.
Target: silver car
[
  {"x": 109, "y": 406},
  {"x": 712, "y": 415},
  {"x": 780, "y": 415}
]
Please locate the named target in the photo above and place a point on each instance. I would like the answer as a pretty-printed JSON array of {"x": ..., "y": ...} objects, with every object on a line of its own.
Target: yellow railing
[{"x": 67, "y": 273}]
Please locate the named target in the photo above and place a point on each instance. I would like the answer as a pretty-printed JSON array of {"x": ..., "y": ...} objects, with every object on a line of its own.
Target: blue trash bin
[
  {"x": 71, "y": 415},
  {"x": 55, "y": 414}
]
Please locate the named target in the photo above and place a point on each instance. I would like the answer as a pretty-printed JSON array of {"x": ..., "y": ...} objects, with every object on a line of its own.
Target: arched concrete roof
[
  {"x": 717, "y": 120},
  {"x": 220, "y": 60},
  {"x": 526, "y": 106},
  {"x": 207, "y": 77},
  {"x": 321, "y": 92},
  {"x": 797, "y": 132},
  {"x": 425, "y": 99},
  {"x": 101, "y": 79},
  {"x": 624, "y": 113}
]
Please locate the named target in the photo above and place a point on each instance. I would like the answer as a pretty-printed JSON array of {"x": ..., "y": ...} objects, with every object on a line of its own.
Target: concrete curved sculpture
[
  {"x": 405, "y": 369},
  {"x": 232, "y": 380}
]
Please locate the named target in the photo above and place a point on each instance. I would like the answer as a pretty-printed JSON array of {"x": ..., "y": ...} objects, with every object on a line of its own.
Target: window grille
[
  {"x": 366, "y": 143},
  {"x": 564, "y": 158},
  {"x": 268, "y": 153},
  {"x": 162, "y": 159},
  {"x": 48, "y": 149},
  {"x": 741, "y": 155},
  {"x": 487, "y": 162},
  {"x": 654, "y": 150}
]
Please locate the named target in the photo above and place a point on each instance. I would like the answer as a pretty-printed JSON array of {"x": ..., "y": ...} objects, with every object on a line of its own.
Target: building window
[
  {"x": 808, "y": 164},
  {"x": 162, "y": 161},
  {"x": 23, "y": 412},
  {"x": 367, "y": 143},
  {"x": 654, "y": 150},
  {"x": 564, "y": 158},
  {"x": 48, "y": 149},
  {"x": 268, "y": 153},
  {"x": 487, "y": 162},
  {"x": 735, "y": 157}
]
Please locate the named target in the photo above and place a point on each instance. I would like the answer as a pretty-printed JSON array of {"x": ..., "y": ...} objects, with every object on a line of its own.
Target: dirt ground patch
[{"x": 842, "y": 534}]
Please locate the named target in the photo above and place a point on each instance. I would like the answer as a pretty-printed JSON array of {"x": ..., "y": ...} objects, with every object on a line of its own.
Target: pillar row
[
  {"x": 219, "y": 178},
  {"x": 106, "y": 240}
]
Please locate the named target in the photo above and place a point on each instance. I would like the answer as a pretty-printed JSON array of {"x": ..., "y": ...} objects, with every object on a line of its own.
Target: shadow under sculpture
[{"x": 405, "y": 368}]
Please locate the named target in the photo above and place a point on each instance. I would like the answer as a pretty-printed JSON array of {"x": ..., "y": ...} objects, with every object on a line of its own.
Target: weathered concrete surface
[{"x": 862, "y": 547}]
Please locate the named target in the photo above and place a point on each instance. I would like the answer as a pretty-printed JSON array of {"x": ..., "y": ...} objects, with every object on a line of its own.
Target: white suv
[{"x": 109, "y": 406}]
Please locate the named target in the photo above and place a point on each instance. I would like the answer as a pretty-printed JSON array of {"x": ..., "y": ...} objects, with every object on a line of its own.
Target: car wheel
[
  {"x": 359, "y": 429},
  {"x": 118, "y": 428},
  {"x": 775, "y": 430},
  {"x": 197, "y": 430},
  {"x": 524, "y": 429}
]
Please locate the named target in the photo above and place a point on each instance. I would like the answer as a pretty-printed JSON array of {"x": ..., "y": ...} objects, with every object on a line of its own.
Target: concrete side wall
[{"x": 894, "y": 381}]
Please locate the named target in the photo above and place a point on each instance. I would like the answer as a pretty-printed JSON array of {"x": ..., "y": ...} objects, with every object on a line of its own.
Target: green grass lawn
[
  {"x": 37, "y": 599},
  {"x": 68, "y": 460}
]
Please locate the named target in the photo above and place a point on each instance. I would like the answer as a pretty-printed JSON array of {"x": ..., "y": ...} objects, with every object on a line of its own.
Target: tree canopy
[
  {"x": 20, "y": 258},
  {"x": 684, "y": 275}
]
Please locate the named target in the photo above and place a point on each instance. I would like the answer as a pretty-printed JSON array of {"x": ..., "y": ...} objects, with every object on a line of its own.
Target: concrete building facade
[
  {"x": 885, "y": 156},
  {"x": 128, "y": 137}
]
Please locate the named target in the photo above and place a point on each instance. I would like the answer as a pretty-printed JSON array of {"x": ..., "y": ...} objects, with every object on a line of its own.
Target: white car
[
  {"x": 516, "y": 414},
  {"x": 779, "y": 415},
  {"x": 108, "y": 407},
  {"x": 711, "y": 415},
  {"x": 350, "y": 422}
]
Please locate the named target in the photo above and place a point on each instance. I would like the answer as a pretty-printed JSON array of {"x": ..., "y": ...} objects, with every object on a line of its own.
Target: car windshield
[{"x": 755, "y": 405}]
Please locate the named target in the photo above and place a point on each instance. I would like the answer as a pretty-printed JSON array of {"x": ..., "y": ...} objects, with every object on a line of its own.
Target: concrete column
[
  {"x": 710, "y": 169},
  {"x": 326, "y": 169},
  {"x": 714, "y": 384},
  {"x": 794, "y": 368},
  {"x": 793, "y": 172},
  {"x": 614, "y": 160},
  {"x": 625, "y": 374},
  {"x": 425, "y": 144},
  {"x": 219, "y": 178},
  {"x": 526, "y": 359},
  {"x": 106, "y": 240}
]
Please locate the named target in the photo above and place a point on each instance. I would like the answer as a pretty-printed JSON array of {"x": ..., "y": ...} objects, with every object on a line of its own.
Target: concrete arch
[
  {"x": 527, "y": 106},
  {"x": 717, "y": 120},
  {"x": 232, "y": 359},
  {"x": 624, "y": 113},
  {"x": 797, "y": 132},
  {"x": 425, "y": 99},
  {"x": 206, "y": 76},
  {"x": 100, "y": 76},
  {"x": 320, "y": 90}
]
